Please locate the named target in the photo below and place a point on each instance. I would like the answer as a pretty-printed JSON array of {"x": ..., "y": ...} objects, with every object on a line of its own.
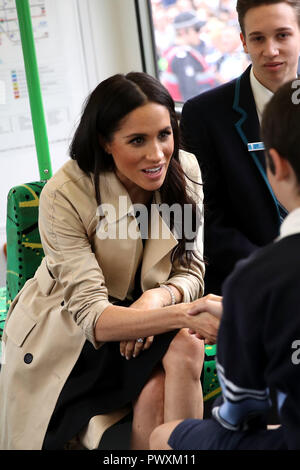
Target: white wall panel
[{"x": 78, "y": 44}]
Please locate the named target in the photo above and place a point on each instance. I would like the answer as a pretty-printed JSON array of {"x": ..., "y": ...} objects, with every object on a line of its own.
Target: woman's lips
[{"x": 154, "y": 172}]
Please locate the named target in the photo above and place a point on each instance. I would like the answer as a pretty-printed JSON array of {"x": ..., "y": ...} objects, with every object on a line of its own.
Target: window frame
[{"x": 147, "y": 42}]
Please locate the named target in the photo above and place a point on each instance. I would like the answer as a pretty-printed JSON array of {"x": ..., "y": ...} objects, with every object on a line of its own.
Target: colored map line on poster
[{"x": 9, "y": 26}]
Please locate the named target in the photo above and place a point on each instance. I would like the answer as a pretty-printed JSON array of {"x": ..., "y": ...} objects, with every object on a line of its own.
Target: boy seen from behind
[{"x": 259, "y": 336}]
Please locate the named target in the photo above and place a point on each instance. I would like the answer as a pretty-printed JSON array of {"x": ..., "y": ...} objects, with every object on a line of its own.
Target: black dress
[{"x": 100, "y": 382}]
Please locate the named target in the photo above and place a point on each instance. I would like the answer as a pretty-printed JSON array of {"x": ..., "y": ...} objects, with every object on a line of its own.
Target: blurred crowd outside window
[{"x": 198, "y": 45}]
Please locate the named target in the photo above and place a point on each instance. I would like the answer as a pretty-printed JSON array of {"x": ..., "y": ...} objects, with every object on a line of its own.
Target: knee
[
  {"x": 160, "y": 436},
  {"x": 158, "y": 440},
  {"x": 151, "y": 398},
  {"x": 186, "y": 354},
  {"x": 154, "y": 388}
]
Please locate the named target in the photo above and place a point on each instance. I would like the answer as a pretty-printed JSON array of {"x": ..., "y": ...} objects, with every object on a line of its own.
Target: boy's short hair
[
  {"x": 244, "y": 5},
  {"x": 280, "y": 127}
]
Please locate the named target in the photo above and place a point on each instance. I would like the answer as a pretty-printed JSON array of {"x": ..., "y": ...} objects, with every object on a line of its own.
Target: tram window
[{"x": 197, "y": 45}]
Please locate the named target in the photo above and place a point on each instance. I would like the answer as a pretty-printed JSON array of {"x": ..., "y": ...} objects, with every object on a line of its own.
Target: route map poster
[{"x": 64, "y": 82}]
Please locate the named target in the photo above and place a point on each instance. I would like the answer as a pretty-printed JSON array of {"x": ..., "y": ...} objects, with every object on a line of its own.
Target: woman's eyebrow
[
  {"x": 135, "y": 134},
  {"x": 142, "y": 134}
]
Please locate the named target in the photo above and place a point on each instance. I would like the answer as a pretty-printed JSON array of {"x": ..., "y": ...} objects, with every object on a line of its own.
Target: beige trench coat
[{"x": 81, "y": 274}]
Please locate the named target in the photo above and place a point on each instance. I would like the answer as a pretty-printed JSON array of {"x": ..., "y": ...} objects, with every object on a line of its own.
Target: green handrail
[{"x": 34, "y": 89}]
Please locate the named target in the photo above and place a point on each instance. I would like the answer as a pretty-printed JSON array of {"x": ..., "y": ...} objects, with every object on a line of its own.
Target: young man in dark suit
[
  {"x": 219, "y": 126},
  {"x": 259, "y": 335}
]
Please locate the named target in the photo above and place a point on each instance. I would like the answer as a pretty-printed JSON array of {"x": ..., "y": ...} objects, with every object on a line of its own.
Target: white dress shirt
[
  {"x": 291, "y": 224},
  {"x": 261, "y": 94}
]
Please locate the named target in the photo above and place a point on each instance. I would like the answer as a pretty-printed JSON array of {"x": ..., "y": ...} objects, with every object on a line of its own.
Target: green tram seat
[{"x": 24, "y": 248}]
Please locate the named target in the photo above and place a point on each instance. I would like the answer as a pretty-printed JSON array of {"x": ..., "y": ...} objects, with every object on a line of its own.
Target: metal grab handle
[{"x": 34, "y": 89}]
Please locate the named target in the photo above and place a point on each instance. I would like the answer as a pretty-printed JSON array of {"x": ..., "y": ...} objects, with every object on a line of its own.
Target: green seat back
[
  {"x": 211, "y": 385},
  {"x": 24, "y": 248}
]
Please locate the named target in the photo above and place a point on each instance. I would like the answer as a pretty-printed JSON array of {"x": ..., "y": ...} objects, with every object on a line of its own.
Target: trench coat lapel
[
  {"x": 118, "y": 210},
  {"x": 116, "y": 214}
]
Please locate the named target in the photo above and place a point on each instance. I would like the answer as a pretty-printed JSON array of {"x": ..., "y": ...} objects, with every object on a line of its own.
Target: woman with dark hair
[{"x": 97, "y": 328}]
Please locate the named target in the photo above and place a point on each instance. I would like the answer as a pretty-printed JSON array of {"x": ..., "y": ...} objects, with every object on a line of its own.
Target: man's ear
[
  {"x": 244, "y": 43},
  {"x": 281, "y": 166}
]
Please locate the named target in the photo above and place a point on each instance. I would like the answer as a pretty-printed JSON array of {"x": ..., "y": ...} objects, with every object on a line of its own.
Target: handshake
[
  {"x": 205, "y": 316},
  {"x": 202, "y": 318}
]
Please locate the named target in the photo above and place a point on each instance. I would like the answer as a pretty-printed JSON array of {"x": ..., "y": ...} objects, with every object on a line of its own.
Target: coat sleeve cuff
[
  {"x": 88, "y": 325},
  {"x": 191, "y": 290}
]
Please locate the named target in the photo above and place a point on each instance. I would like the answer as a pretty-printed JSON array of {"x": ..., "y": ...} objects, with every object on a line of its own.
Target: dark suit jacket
[
  {"x": 258, "y": 338},
  {"x": 241, "y": 211}
]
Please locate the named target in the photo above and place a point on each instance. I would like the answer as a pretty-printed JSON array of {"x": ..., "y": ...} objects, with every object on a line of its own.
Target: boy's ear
[
  {"x": 244, "y": 43},
  {"x": 282, "y": 167}
]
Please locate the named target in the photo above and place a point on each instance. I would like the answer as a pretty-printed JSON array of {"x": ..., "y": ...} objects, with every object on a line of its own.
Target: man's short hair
[
  {"x": 245, "y": 5},
  {"x": 280, "y": 127}
]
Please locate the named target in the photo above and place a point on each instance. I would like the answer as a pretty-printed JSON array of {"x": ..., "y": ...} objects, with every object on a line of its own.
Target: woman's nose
[{"x": 155, "y": 153}]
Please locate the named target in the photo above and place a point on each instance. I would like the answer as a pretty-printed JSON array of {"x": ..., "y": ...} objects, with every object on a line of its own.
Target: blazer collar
[{"x": 248, "y": 126}]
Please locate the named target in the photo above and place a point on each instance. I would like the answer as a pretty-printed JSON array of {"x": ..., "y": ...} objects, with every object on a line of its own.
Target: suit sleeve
[
  {"x": 219, "y": 221},
  {"x": 241, "y": 355},
  {"x": 255, "y": 345}
]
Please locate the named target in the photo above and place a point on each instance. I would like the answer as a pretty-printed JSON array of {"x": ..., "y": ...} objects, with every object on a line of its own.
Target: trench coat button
[
  {"x": 63, "y": 303},
  {"x": 28, "y": 358}
]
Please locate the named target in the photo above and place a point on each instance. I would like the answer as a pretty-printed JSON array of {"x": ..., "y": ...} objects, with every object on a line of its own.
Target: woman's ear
[{"x": 104, "y": 144}]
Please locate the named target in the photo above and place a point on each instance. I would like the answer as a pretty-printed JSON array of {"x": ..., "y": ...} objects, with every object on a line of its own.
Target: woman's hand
[
  {"x": 132, "y": 348},
  {"x": 207, "y": 313},
  {"x": 149, "y": 299}
]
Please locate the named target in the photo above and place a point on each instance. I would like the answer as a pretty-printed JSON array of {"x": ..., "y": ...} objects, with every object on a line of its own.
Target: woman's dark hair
[
  {"x": 243, "y": 6},
  {"x": 280, "y": 125},
  {"x": 103, "y": 112}
]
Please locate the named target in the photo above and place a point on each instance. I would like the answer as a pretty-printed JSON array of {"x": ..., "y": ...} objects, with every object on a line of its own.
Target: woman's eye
[
  {"x": 164, "y": 134},
  {"x": 137, "y": 141}
]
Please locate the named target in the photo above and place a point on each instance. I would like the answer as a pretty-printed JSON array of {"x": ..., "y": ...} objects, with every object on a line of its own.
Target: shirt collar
[
  {"x": 261, "y": 94},
  {"x": 291, "y": 224}
]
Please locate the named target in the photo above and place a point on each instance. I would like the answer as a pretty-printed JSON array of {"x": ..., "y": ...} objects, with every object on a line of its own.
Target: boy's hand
[{"x": 210, "y": 308}]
